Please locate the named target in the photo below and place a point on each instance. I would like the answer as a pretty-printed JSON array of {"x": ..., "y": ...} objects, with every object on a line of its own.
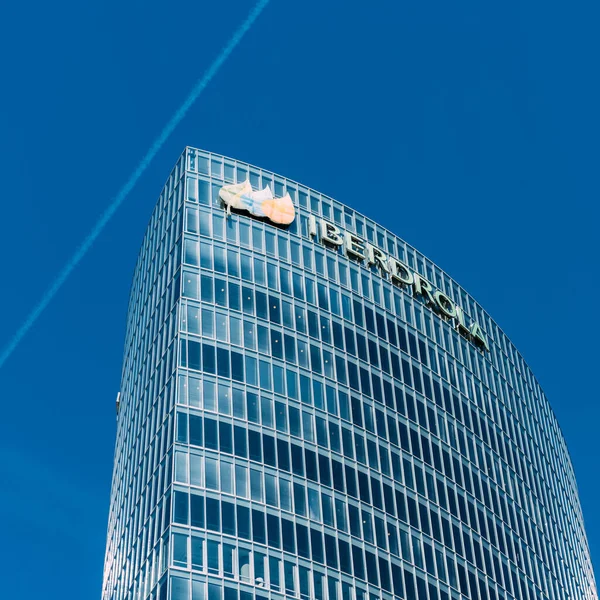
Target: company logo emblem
[{"x": 261, "y": 203}]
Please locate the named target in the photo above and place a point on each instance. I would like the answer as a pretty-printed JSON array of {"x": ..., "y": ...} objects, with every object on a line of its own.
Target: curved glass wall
[{"x": 318, "y": 411}]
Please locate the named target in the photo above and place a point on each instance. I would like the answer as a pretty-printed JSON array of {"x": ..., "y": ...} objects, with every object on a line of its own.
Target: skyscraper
[{"x": 312, "y": 409}]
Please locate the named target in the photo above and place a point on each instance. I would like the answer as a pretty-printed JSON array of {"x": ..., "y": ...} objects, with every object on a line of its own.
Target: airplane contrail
[{"x": 130, "y": 183}]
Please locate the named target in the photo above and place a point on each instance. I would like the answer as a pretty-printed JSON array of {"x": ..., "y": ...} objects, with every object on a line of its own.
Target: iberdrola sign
[
  {"x": 262, "y": 203},
  {"x": 399, "y": 274}
]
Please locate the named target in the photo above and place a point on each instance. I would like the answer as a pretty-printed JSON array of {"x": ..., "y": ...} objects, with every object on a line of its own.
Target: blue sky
[{"x": 470, "y": 130}]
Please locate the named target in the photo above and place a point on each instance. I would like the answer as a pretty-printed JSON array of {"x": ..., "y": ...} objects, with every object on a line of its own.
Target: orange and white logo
[{"x": 261, "y": 203}]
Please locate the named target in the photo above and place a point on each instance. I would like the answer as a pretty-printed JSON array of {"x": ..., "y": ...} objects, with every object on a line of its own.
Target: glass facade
[{"x": 297, "y": 419}]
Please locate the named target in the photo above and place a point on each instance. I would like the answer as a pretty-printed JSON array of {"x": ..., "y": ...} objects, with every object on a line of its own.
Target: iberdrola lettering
[{"x": 399, "y": 274}]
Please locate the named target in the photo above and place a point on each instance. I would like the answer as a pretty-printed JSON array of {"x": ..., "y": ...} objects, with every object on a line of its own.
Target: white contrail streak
[{"x": 130, "y": 183}]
